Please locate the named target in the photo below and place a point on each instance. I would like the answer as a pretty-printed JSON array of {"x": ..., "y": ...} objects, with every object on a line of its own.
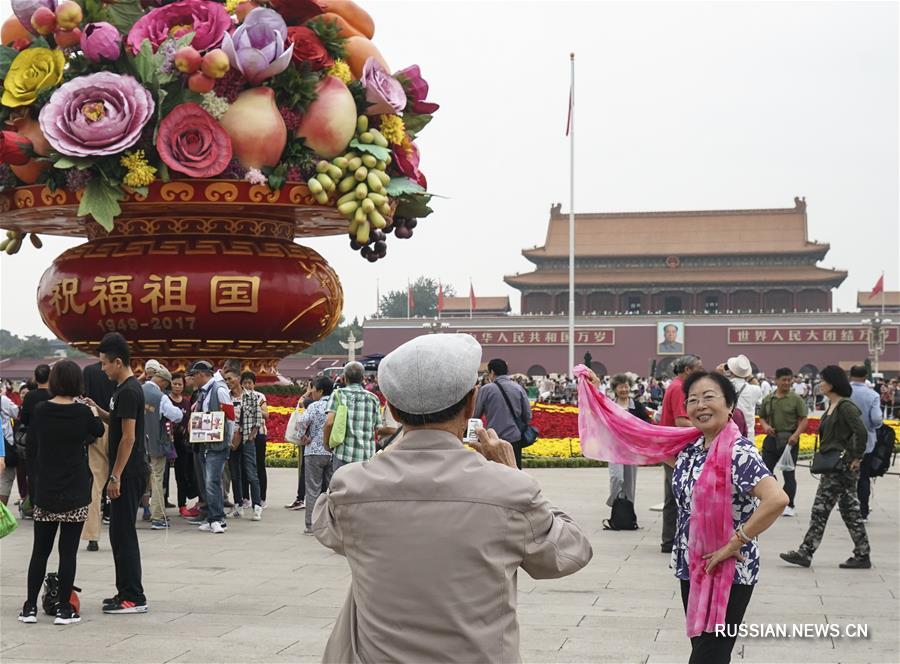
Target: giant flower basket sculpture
[{"x": 190, "y": 142}]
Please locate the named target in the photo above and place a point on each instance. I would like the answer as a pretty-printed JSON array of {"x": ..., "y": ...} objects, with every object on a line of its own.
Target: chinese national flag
[
  {"x": 879, "y": 286},
  {"x": 473, "y": 303},
  {"x": 410, "y": 300},
  {"x": 440, "y": 304}
]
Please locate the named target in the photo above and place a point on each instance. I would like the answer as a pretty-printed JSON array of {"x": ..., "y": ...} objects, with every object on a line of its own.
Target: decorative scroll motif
[
  {"x": 257, "y": 351},
  {"x": 172, "y": 226},
  {"x": 181, "y": 191},
  {"x": 221, "y": 191},
  {"x": 24, "y": 198},
  {"x": 261, "y": 192},
  {"x": 57, "y": 197}
]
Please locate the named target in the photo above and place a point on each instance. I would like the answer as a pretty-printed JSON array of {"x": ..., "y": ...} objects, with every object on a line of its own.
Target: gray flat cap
[
  {"x": 430, "y": 373},
  {"x": 164, "y": 373}
]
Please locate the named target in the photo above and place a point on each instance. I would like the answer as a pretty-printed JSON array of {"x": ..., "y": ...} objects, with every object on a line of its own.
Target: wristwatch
[{"x": 113, "y": 479}]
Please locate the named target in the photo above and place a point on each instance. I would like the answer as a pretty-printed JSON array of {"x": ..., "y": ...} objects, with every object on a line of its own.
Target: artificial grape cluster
[
  {"x": 360, "y": 178},
  {"x": 14, "y": 239}
]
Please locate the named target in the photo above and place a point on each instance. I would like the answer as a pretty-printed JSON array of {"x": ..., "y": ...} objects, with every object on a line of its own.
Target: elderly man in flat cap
[{"x": 435, "y": 532}]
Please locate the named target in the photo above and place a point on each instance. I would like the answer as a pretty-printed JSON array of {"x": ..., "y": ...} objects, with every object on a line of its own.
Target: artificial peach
[
  {"x": 67, "y": 38},
  {"x": 215, "y": 63},
  {"x": 257, "y": 130},
  {"x": 43, "y": 20},
  {"x": 69, "y": 15},
  {"x": 330, "y": 121},
  {"x": 200, "y": 83},
  {"x": 187, "y": 59}
]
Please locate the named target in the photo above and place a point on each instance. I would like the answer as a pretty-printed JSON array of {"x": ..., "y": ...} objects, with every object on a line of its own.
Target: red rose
[
  {"x": 295, "y": 12},
  {"x": 406, "y": 160},
  {"x": 308, "y": 47},
  {"x": 191, "y": 141},
  {"x": 15, "y": 149}
]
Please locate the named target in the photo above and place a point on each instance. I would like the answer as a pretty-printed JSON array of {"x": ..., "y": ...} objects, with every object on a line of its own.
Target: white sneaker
[
  {"x": 263, "y": 504},
  {"x": 206, "y": 527},
  {"x": 246, "y": 503},
  {"x": 257, "y": 513},
  {"x": 217, "y": 527},
  {"x": 789, "y": 511},
  {"x": 237, "y": 513}
]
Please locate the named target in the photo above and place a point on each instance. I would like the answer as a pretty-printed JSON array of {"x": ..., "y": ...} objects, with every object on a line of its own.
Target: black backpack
[
  {"x": 50, "y": 598},
  {"x": 883, "y": 453},
  {"x": 623, "y": 516}
]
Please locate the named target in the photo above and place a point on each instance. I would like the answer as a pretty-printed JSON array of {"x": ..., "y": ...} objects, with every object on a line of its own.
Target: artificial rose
[
  {"x": 209, "y": 21},
  {"x": 383, "y": 91},
  {"x": 416, "y": 89},
  {"x": 23, "y": 9},
  {"x": 15, "y": 149},
  {"x": 192, "y": 142},
  {"x": 101, "y": 41},
  {"x": 406, "y": 159},
  {"x": 32, "y": 70},
  {"x": 257, "y": 47},
  {"x": 97, "y": 114},
  {"x": 308, "y": 48}
]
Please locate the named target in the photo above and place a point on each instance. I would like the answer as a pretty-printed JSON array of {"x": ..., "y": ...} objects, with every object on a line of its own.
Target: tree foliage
[
  {"x": 32, "y": 346},
  {"x": 425, "y": 297}
]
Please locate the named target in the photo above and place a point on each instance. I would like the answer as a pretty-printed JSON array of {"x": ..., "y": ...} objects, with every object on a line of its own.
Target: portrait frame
[{"x": 670, "y": 346}]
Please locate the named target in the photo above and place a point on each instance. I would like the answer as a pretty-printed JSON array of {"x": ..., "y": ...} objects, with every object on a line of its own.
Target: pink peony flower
[
  {"x": 383, "y": 91},
  {"x": 209, "y": 21},
  {"x": 406, "y": 160},
  {"x": 416, "y": 89},
  {"x": 101, "y": 41},
  {"x": 98, "y": 114}
]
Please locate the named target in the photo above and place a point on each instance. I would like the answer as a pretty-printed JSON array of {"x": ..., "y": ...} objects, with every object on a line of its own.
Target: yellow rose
[{"x": 33, "y": 70}]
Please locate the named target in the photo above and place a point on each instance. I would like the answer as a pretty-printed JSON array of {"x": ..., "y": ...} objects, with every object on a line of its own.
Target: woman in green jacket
[{"x": 840, "y": 428}]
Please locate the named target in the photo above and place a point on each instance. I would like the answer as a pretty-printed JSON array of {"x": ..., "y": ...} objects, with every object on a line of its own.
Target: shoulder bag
[
  {"x": 339, "y": 427},
  {"x": 528, "y": 433},
  {"x": 826, "y": 462},
  {"x": 8, "y": 522}
]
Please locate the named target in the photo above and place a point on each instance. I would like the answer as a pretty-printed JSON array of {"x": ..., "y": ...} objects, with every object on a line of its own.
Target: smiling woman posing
[{"x": 756, "y": 503}]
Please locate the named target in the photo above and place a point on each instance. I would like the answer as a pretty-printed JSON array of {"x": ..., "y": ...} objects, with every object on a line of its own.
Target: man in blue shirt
[
  {"x": 507, "y": 416},
  {"x": 869, "y": 404}
]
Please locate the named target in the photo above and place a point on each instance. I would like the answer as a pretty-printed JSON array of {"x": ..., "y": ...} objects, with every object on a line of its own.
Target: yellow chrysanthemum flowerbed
[{"x": 281, "y": 451}]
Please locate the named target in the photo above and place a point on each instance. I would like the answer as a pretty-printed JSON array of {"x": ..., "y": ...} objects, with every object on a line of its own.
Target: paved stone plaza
[{"x": 265, "y": 592}]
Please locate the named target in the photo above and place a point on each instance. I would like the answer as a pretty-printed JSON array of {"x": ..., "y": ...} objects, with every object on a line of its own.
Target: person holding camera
[
  {"x": 59, "y": 432},
  {"x": 843, "y": 437}
]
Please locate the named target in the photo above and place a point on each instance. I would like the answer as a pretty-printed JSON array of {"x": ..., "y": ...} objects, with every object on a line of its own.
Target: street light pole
[{"x": 877, "y": 336}]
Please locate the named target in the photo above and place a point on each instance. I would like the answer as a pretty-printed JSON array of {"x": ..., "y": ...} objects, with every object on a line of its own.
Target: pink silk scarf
[{"x": 609, "y": 433}]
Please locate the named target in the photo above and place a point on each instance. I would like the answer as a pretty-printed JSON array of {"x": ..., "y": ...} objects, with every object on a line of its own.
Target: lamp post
[
  {"x": 877, "y": 335},
  {"x": 435, "y": 327}
]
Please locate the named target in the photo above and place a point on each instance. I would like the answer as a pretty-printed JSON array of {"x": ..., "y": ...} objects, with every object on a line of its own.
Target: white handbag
[{"x": 292, "y": 431}]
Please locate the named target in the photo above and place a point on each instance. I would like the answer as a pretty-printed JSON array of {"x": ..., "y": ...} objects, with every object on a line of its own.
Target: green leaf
[
  {"x": 380, "y": 153},
  {"x": 414, "y": 206},
  {"x": 39, "y": 42},
  {"x": 329, "y": 33},
  {"x": 184, "y": 40},
  {"x": 101, "y": 201},
  {"x": 145, "y": 64},
  {"x": 415, "y": 123},
  {"x": 81, "y": 163},
  {"x": 123, "y": 14},
  {"x": 399, "y": 186},
  {"x": 7, "y": 55},
  {"x": 63, "y": 162}
]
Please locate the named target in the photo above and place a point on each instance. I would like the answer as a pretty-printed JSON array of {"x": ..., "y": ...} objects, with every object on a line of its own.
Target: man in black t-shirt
[
  {"x": 99, "y": 388},
  {"x": 128, "y": 475}
]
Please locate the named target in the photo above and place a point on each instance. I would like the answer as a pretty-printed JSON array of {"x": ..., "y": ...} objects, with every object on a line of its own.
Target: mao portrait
[{"x": 670, "y": 338}]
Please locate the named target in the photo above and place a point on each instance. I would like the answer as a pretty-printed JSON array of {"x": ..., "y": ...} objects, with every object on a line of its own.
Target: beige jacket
[{"x": 434, "y": 535}]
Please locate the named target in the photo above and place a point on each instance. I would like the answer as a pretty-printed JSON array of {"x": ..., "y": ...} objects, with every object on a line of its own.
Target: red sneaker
[{"x": 187, "y": 513}]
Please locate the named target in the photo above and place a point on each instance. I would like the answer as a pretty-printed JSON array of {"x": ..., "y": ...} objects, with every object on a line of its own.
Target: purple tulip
[
  {"x": 101, "y": 41},
  {"x": 416, "y": 90},
  {"x": 256, "y": 48},
  {"x": 98, "y": 114},
  {"x": 383, "y": 91},
  {"x": 23, "y": 9}
]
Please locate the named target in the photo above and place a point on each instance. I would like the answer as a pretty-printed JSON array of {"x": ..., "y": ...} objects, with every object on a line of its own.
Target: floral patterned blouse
[{"x": 747, "y": 469}]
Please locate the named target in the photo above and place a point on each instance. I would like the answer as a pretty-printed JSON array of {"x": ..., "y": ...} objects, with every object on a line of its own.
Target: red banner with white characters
[
  {"x": 807, "y": 335},
  {"x": 605, "y": 336}
]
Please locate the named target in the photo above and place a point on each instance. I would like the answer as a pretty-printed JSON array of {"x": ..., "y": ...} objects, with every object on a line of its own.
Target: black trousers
[
  {"x": 44, "y": 534},
  {"x": 123, "y": 539},
  {"x": 770, "y": 456},
  {"x": 199, "y": 470},
  {"x": 670, "y": 509},
  {"x": 864, "y": 486},
  {"x": 709, "y": 648},
  {"x": 260, "y": 443},
  {"x": 184, "y": 474}
]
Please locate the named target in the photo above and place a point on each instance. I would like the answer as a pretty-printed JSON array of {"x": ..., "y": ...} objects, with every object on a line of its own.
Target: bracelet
[{"x": 742, "y": 535}]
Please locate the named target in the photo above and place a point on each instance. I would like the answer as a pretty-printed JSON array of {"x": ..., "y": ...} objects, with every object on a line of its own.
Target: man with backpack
[
  {"x": 869, "y": 404},
  {"x": 505, "y": 404}
]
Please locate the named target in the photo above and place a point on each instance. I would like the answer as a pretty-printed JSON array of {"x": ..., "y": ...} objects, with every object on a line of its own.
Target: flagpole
[
  {"x": 882, "y": 295},
  {"x": 571, "y": 215},
  {"x": 470, "y": 297},
  {"x": 408, "y": 291},
  {"x": 377, "y": 298}
]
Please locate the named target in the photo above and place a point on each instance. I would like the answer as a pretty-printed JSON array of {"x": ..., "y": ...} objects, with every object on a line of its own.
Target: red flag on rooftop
[
  {"x": 410, "y": 300},
  {"x": 473, "y": 302},
  {"x": 879, "y": 286}
]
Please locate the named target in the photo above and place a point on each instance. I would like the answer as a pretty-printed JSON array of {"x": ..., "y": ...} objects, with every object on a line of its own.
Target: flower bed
[{"x": 558, "y": 426}]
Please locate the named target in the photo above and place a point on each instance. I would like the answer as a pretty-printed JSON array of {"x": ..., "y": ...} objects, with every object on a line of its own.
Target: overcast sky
[{"x": 680, "y": 106}]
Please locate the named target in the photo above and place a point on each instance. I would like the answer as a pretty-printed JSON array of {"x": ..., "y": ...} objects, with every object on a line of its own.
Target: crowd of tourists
[{"x": 104, "y": 437}]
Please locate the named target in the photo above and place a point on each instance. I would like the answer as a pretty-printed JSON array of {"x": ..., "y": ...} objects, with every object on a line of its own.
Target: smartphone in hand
[{"x": 472, "y": 430}]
